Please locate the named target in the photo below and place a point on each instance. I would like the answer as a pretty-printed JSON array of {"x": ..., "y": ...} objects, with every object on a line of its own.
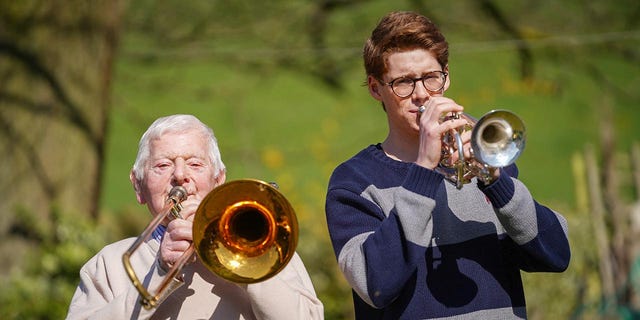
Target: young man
[
  {"x": 180, "y": 150},
  {"x": 412, "y": 245}
]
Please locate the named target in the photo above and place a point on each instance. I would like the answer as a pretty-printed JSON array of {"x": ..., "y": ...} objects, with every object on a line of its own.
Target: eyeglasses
[{"x": 433, "y": 81}]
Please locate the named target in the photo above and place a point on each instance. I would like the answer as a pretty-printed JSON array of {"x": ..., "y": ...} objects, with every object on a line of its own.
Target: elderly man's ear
[
  {"x": 136, "y": 188},
  {"x": 221, "y": 177}
]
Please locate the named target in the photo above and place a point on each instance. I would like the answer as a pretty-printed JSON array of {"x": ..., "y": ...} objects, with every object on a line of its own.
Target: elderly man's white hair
[{"x": 171, "y": 124}]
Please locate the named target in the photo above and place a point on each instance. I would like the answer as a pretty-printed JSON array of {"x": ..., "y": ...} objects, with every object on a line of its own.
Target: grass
[{"x": 287, "y": 127}]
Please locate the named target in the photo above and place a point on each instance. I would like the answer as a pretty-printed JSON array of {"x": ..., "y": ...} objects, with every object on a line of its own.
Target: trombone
[
  {"x": 497, "y": 140},
  {"x": 245, "y": 231}
]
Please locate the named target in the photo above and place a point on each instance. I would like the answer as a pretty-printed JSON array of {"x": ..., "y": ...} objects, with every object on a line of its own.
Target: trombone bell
[{"x": 245, "y": 231}]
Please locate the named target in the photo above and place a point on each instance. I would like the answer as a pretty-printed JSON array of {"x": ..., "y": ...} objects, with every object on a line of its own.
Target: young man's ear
[
  {"x": 136, "y": 187},
  {"x": 374, "y": 87}
]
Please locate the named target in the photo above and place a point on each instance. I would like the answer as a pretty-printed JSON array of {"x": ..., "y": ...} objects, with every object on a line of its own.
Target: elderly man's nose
[{"x": 179, "y": 174}]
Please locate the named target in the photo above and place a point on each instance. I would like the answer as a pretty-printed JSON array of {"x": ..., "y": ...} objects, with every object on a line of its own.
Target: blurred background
[{"x": 281, "y": 84}]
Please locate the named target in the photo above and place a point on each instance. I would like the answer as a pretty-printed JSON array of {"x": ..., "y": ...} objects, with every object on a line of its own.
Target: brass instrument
[
  {"x": 497, "y": 140},
  {"x": 244, "y": 231}
]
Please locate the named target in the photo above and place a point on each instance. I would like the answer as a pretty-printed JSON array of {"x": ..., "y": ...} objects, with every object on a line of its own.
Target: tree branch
[{"x": 34, "y": 65}]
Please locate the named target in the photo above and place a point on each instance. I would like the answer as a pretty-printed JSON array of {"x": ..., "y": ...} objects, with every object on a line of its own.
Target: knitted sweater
[{"x": 412, "y": 246}]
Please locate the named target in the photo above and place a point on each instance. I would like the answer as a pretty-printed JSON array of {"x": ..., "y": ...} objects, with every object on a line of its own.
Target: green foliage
[
  {"x": 277, "y": 123},
  {"x": 253, "y": 77},
  {"x": 42, "y": 288}
]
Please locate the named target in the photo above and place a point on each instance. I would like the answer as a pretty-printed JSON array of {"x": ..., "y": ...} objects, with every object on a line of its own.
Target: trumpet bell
[
  {"x": 498, "y": 138},
  {"x": 245, "y": 231}
]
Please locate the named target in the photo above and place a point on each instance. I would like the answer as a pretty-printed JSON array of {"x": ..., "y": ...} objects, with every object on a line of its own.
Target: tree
[{"x": 56, "y": 61}]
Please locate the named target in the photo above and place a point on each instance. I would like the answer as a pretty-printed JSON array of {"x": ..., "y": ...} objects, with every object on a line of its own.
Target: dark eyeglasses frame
[{"x": 443, "y": 74}]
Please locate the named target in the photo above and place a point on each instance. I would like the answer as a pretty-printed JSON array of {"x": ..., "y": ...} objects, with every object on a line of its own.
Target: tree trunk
[{"x": 56, "y": 62}]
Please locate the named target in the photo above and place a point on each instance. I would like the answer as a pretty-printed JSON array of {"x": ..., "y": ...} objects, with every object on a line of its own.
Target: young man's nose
[{"x": 420, "y": 90}]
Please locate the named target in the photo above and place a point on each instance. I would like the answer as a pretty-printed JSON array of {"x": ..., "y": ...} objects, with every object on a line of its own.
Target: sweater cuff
[
  {"x": 422, "y": 180},
  {"x": 500, "y": 191}
]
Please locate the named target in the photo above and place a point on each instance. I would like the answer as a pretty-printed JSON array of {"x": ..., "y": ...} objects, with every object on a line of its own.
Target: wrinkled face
[
  {"x": 176, "y": 158},
  {"x": 402, "y": 113}
]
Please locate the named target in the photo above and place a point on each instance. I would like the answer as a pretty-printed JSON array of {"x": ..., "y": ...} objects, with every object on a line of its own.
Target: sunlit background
[{"x": 281, "y": 84}]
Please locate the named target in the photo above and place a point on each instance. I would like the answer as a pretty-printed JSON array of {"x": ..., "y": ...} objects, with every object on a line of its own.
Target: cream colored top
[{"x": 105, "y": 291}]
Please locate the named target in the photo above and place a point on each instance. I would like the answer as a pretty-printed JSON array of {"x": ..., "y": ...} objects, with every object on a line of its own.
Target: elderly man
[{"x": 180, "y": 150}]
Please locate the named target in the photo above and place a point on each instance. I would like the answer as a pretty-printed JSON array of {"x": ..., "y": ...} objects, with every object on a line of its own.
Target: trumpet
[
  {"x": 497, "y": 140},
  {"x": 244, "y": 231}
]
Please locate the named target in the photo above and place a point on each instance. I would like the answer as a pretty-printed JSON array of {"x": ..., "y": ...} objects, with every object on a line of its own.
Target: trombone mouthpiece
[{"x": 178, "y": 194}]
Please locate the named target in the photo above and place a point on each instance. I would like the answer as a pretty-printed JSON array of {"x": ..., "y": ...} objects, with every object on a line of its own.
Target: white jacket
[{"x": 105, "y": 291}]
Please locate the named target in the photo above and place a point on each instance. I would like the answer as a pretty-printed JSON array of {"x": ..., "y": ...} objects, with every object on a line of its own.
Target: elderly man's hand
[{"x": 178, "y": 236}]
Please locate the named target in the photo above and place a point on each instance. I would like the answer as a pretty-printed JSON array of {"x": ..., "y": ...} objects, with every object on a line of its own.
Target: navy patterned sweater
[{"x": 412, "y": 246}]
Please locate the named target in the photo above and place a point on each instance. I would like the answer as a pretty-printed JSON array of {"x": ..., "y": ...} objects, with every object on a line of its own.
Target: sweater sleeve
[
  {"x": 105, "y": 291},
  {"x": 540, "y": 232},
  {"x": 380, "y": 235},
  {"x": 288, "y": 295}
]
